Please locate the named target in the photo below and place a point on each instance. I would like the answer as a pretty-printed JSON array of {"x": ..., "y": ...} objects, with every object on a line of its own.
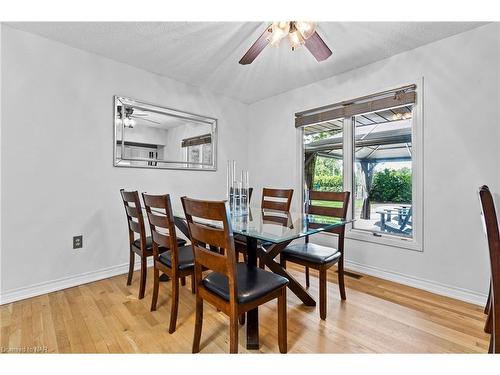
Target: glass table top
[
  {"x": 277, "y": 226},
  {"x": 274, "y": 226}
]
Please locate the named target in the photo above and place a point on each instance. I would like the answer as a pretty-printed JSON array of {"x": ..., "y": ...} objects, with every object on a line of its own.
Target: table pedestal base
[{"x": 252, "y": 315}]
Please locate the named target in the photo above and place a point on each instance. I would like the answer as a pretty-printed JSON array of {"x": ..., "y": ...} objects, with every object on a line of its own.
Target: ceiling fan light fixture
[
  {"x": 295, "y": 38},
  {"x": 305, "y": 28},
  {"x": 279, "y": 31},
  {"x": 128, "y": 122}
]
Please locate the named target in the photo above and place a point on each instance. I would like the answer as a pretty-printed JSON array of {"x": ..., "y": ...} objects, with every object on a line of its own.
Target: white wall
[
  {"x": 143, "y": 134},
  {"x": 57, "y": 159},
  {"x": 461, "y": 152}
]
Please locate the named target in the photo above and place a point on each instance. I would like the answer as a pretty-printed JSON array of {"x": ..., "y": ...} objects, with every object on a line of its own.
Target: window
[
  {"x": 198, "y": 150},
  {"x": 382, "y": 188},
  {"x": 323, "y": 156},
  {"x": 367, "y": 147}
]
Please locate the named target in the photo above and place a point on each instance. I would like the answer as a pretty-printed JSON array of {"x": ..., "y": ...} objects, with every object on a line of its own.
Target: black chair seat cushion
[
  {"x": 149, "y": 243},
  {"x": 313, "y": 253},
  {"x": 186, "y": 257},
  {"x": 253, "y": 283}
]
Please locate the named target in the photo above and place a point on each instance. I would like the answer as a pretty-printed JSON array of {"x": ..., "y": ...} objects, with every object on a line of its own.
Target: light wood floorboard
[{"x": 378, "y": 317}]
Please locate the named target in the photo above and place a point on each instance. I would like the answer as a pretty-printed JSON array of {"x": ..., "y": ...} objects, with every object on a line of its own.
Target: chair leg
[
  {"x": 233, "y": 333},
  {"x": 487, "y": 306},
  {"x": 242, "y": 318},
  {"x": 131, "y": 267},
  {"x": 282, "y": 261},
  {"x": 193, "y": 284},
  {"x": 198, "y": 324},
  {"x": 156, "y": 286},
  {"x": 340, "y": 269},
  {"x": 144, "y": 272},
  {"x": 307, "y": 277},
  {"x": 488, "y": 324},
  {"x": 322, "y": 293},
  {"x": 282, "y": 326},
  {"x": 175, "y": 304}
]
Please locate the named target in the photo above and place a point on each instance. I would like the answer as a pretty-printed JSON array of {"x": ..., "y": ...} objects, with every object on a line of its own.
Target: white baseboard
[
  {"x": 427, "y": 285},
  {"x": 66, "y": 282}
]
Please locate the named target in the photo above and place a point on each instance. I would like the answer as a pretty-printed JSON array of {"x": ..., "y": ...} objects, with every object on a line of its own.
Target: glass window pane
[
  {"x": 323, "y": 156},
  {"x": 383, "y": 171}
]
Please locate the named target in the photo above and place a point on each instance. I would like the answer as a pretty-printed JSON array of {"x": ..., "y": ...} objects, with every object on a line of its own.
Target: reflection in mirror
[{"x": 149, "y": 136}]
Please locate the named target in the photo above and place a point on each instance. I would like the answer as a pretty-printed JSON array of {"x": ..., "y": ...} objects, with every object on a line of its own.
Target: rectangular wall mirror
[{"x": 150, "y": 136}]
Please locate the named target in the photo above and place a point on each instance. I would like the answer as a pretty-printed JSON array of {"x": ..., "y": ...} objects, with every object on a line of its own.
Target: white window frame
[{"x": 416, "y": 241}]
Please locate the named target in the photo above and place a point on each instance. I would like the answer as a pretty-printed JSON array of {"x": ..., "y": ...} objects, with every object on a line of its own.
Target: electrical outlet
[{"x": 77, "y": 242}]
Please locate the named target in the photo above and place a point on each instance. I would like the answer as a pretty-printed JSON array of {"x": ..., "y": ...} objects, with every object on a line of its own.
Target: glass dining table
[{"x": 267, "y": 233}]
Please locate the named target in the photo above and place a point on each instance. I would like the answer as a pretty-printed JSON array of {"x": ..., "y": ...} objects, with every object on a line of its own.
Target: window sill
[{"x": 384, "y": 239}]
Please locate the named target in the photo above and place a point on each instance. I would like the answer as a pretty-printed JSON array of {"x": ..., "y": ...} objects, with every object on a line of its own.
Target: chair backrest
[
  {"x": 277, "y": 199},
  {"x": 406, "y": 220},
  {"x": 492, "y": 233},
  {"x": 220, "y": 236},
  {"x": 135, "y": 218},
  {"x": 161, "y": 223},
  {"x": 337, "y": 210}
]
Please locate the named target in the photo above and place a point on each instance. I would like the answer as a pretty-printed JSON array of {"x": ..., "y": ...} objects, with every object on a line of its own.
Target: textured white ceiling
[{"x": 206, "y": 54}]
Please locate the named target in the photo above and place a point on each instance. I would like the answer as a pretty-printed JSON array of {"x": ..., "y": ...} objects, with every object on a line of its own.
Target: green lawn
[{"x": 359, "y": 202}]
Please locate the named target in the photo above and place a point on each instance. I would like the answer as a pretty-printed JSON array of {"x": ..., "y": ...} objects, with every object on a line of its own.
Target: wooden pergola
[{"x": 383, "y": 136}]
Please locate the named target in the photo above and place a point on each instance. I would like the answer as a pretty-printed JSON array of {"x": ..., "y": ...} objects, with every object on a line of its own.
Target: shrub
[
  {"x": 328, "y": 183},
  {"x": 392, "y": 185}
]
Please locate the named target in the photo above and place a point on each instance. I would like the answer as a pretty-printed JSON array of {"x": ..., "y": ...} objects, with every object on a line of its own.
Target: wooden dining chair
[
  {"x": 233, "y": 288},
  {"x": 177, "y": 262},
  {"x": 275, "y": 199},
  {"x": 142, "y": 246},
  {"x": 492, "y": 233},
  {"x": 320, "y": 257}
]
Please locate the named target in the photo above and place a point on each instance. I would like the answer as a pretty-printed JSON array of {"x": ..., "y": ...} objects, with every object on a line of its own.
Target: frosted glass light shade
[{"x": 305, "y": 28}]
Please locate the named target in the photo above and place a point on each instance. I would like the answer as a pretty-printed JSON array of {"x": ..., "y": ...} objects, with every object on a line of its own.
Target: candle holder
[{"x": 237, "y": 190}]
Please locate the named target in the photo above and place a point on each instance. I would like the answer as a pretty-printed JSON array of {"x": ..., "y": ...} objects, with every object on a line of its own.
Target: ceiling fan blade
[
  {"x": 145, "y": 119},
  {"x": 256, "y": 48},
  {"x": 318, "y": 47}
]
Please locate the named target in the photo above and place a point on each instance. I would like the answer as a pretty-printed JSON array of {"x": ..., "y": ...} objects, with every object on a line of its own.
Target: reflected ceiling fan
[
  {"x": 128, "y": 121},
  {"x": 298, "y": 33}
]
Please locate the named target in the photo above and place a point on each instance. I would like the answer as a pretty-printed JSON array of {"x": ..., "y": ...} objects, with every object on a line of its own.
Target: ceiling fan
[
  {"x": 128, "y": 121},
  {"x": 298, "y": 32}
]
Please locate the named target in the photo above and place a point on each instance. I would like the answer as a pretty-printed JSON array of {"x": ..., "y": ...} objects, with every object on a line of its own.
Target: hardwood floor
[{"x": 378, "y": 317}]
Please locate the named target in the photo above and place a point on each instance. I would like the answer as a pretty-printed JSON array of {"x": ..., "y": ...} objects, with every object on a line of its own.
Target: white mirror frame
[{"x": 163, "y": 164}]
